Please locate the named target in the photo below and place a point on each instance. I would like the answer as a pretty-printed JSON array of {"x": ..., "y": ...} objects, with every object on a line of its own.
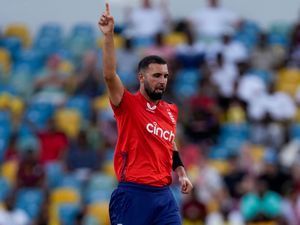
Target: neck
[{"x": 144, "y": 93}]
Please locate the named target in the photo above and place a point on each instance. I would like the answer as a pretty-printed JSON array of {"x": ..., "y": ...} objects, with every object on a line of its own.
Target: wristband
[{"x": 176, "y": 160}]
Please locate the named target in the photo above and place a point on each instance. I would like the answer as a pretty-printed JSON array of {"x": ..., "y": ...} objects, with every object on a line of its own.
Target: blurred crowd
[{"x": 237, "y": 87}]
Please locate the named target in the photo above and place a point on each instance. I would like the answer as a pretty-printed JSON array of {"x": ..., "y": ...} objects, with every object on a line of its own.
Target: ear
[{"x": 141, "y": 77}]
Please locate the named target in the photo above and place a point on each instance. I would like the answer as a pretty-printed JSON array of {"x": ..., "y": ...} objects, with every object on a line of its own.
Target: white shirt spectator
[
  {"x": 279, "y": 105},
  {"x": 224, "y": 78},
  {"x": 251, "y": 87},
  {"x": 235, "y": 52},
  {"x": 146, "y": 22},
  {"x": 214, "y": 21},
  {"x": 15, "y": 217}
]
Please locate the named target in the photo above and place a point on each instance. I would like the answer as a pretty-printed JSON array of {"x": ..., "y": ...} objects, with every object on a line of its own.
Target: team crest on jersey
[{"x": 150, "y": 108}]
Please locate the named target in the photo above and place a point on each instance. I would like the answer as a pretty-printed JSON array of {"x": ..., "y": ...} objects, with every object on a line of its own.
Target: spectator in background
[
  {"x": 213, "y": 20},
  {"x": 81, "y": 155},
  {"x": 233, "y": 51},
  {"x": 10, "y": 215},
  {"x": 294, "y": 50},
  {"x": 88, "y": 81},
  {"x": 161, "y": 49},
  {"x": 11, "y": 152},
  {"x": 53, "y": 143},
  {"x": 201, "y": 114},
  {"x": 224, "y": 75},
  {"x": 193, "y": 210},
  {"x": 147, "y": 20},
  {"x": 50, "y": 86},
  {"x": 291, "y": 205},
  {"x": 30, "y": 172},
  {"x": 128, "y": 58},
  {"x": 264, "y": 57},
  {"x": 190, "y": 55}
]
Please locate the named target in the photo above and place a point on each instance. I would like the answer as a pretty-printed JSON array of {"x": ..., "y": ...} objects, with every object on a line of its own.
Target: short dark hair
[{"x": 145, "y": 62}]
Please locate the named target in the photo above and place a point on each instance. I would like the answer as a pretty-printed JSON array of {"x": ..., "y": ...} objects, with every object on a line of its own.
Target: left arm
[{"x": 185, "y": 183}]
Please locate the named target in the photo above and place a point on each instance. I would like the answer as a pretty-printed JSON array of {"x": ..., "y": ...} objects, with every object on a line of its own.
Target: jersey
[{"x": 146, "y": 133}]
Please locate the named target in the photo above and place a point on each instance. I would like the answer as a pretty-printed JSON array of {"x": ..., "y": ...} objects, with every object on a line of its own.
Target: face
[{"x": 154, "y": 80}]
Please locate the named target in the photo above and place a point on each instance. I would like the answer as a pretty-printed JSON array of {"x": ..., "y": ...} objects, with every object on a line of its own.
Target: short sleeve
[{"x": 125, "y": 104}]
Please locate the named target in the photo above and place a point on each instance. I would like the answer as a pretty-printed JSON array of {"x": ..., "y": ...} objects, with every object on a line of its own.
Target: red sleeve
[{"x": 125, "y": 104}]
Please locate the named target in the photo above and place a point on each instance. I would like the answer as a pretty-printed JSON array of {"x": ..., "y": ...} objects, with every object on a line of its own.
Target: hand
[
  {"x": 106, "y": 22},
  {"x": 186, "y": 185}
]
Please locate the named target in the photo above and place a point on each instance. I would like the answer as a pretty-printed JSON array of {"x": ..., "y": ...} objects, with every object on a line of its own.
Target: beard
[{"x": 151, "y": 93}]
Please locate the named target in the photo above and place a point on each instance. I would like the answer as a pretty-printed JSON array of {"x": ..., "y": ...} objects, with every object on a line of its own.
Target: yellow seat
[
  {"x": 108, "y": 168},
  {"x": 236, "y": 114},
  {"x": 5, "y": 60},
  {"x": 9, "y": 171},
  {"x": 20, "y": 31},
  {"x": 220, "y": 165},
  {"x": 16, "y": 107},
  {"x": 257, "y": 153},
  {"x": 174, "y": 39},
  {"x": 101, "y": 103},
  {"x": 68, "y": 121},
  {"x": 61, "y": 196},
  {"x": 100, "y": 212}
]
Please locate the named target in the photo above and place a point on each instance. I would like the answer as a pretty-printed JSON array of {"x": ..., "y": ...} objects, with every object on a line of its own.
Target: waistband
[{"x": 142, "y": 187}]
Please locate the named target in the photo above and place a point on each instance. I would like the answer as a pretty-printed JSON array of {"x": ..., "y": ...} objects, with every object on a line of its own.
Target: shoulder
[{"x": 170, "y": 105}]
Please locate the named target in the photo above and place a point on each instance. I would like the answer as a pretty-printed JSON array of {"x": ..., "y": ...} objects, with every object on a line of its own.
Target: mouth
[{"x": 159, "y": 89}]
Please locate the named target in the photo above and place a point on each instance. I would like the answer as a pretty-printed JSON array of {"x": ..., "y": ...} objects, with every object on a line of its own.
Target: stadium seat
[
  {"x": 99, "y": 188},
  {"x": 54, "y": 174},
  {"x": 5, "y": 60},
  {"x": 174, "y": 39},
  {"x": 19, "y": 30},
  {"x": 30, "y": 200},
  {"x": 59, "y": 197},
  {"x": 68, "y": 213},
  {"x": 100, "y": 212},
  {"x": 81, "y": 104},
  {"x": 13, "y": 45},
  {"x": 5, "y": 188},
  {"x": 9, "y": 171},
  {"x": 68, "y": 121}
]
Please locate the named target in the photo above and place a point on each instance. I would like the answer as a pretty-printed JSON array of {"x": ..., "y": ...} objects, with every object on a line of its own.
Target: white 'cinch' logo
[
  {"x": 150, "y": 108},
  {"x": 152, "y": 128}
]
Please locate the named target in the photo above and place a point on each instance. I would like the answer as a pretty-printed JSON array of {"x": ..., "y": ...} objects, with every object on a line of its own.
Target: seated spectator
[
  {"x": 147, "y": 20},
  {"x": 201, "y": 114},
  {"x": 261, "y": 204},
  {"x": 128, "y": 58},
  {"x": 81, "y": 155},
  {"x": 213, "y": 20},
  {"x": 30, "y": 172},
  {"x": 190, "y": 55},
  {"x": 11, "y": 152},
  {"x": 11, "y": 215},
  {"x": 224, "y": 75},
  {"x": 162, "y": 50},
  {"x": 264, "y": 56},
  {"x": 50, "y": 87},
  {"x": 88, "y": 81},
  {"x": 291, "y": 205},
  {"x": 193, "y": 210},
  {"x": 233, "y": 51},
  {"x": 53, "y": 143}
]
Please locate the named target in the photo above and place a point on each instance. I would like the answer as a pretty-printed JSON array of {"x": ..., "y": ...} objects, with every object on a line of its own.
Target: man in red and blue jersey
[{"x": 145, "y": 152}]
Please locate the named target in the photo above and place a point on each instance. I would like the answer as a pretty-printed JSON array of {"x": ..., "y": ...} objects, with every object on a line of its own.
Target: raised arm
[{"x": 112, "y": 80}]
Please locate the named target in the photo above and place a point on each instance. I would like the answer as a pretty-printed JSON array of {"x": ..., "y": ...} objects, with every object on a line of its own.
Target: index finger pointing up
[{"x": 107, "y": 8}]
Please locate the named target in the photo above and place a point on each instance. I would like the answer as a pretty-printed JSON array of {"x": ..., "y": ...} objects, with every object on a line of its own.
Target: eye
[{"x": 166, "y": 76}]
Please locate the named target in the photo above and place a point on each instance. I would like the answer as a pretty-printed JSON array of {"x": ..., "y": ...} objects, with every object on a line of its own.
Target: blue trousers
[{"x": 137, "y": 204}]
